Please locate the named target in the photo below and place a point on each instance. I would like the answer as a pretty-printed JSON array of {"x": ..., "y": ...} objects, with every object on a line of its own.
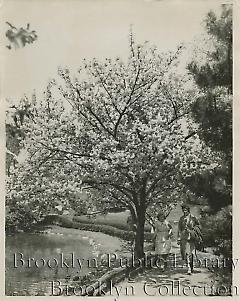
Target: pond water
[{"x": 55, "y": 256}]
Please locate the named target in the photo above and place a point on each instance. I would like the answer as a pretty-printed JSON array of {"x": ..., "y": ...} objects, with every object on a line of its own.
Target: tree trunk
[
  {"x": 139, "y": 239},
  {"x": 133, "y": 214}
]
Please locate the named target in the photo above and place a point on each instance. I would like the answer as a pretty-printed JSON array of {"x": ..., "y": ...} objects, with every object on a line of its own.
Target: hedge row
[
  {"x": 81, "y": 220},
  {"x": 124, "y": 227},
  {"x": 106, "y": 229}
]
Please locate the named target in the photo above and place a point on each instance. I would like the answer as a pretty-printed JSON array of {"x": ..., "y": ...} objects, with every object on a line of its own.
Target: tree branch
[
  {"x": 127, "y": 103},
  {"x": 190, "y": 135},
  {"x": 178, "y": 117},
  {"x": 100, "y": 121},
  {"x": 106, "y": 90},
  {"x": 64, "y": 151},
  {"x": 80, "y": 111}
]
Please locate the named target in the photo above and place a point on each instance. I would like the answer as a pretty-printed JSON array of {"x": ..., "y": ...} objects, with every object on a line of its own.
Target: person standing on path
[
  {"x": 162, "y": 236},
  {"x": 188, "y": 232}
]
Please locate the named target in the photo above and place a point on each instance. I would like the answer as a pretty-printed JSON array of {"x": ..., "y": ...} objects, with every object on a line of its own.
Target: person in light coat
[{"x": 162, "y": 235}]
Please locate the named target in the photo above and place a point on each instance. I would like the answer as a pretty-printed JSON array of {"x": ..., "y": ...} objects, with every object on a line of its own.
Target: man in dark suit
[{"x": 188, "y": 227}]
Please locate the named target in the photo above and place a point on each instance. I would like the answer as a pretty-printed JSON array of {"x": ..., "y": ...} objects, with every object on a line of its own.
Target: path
[{"x": 173, "y": 282}]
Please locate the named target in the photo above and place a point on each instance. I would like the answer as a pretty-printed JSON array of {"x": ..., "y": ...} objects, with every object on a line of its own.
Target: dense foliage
[{"x": 217, "y": 231}]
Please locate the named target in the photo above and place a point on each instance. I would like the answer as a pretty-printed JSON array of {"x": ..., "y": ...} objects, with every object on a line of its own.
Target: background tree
[
  {"x": 212, "y": 71},
  {"x": 120, "y": 128},
  {"x": 213, "y": 113},
  {"x": 15, "y": 116}
]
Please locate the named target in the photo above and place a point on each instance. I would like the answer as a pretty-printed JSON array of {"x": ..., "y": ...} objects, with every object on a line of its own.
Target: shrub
[
  {"x": 21, "y": 219},
  {"x": 217, "y": 231}
]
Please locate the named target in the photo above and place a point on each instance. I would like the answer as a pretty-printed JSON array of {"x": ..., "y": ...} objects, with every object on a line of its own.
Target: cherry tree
[{"x": 122, "y": 128}]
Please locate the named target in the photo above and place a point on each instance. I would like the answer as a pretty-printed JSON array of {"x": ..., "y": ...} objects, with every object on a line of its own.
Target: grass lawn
[
  {"x": 111, "y": 219},
  {"x": 119, "y": 220}
]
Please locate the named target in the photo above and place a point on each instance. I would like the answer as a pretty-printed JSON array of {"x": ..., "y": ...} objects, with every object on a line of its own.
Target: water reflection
[{"x": 42, "y": 258}]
